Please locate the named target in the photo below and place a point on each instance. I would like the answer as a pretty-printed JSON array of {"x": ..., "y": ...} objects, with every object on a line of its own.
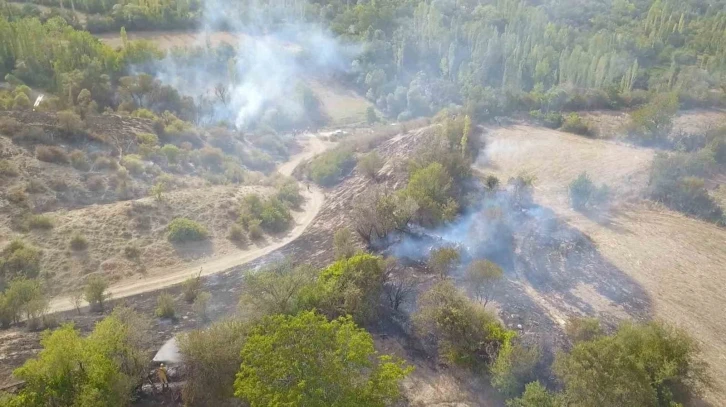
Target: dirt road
[{"x": 161, "y": 278}]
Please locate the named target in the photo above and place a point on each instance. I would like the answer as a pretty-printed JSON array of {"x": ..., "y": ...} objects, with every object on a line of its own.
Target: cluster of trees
[{"x": 499, "y": 56}]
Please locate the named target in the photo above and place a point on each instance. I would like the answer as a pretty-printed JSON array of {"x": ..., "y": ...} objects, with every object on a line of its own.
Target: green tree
[
  {"x": 95, "y": 292},
  {"x": 482, "y": 277},
  {"x": 640, "y": 365},
  {"x": 306, "y": 360},
  {"x": 443, "y": 261},
  {"x": 274, "y": 289},
  {"x": 343, "y": 245},
  {"x": 430, "y": 187},
  {"x": 535, "y": 395}
]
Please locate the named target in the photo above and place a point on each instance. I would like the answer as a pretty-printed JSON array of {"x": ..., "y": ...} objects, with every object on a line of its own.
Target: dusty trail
[{"x": 161, "y": 278}]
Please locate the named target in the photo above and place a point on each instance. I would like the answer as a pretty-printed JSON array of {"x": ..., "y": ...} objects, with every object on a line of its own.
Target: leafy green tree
[
  {"x": 443, "y": 260},
  {"x": 430, "y": 188},
  {"x": 653, "y": 122},
  {"x": 95, "y": 292},
  {"x": 306, "y": 360},
  {"x": 482, "y": 277},
  {"x": 343, "y": 246},
  {"x": 275, "y": 289},
  {"x": 535, "y": 395},
  {"x": 642, "y": 365}
]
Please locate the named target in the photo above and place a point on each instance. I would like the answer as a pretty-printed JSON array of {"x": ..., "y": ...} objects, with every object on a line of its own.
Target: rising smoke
[{"x": 259, "y": 72}]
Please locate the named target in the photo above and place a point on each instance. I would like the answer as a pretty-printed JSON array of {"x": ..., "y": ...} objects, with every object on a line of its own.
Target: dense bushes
[
  {"x": 573, "y": 123},
  {"x": 18, "y": 259},
  {"x": 95, "y": 292},
  {"x": 186, "y": 230},
  {"x": 677, "y": 181},
  {"x": 584, "y": 195},
  {"x": 328, "y": 168},
  {"x": 271, "y": 213}
]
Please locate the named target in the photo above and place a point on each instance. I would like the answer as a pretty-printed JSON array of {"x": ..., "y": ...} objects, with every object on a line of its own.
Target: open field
[
  {"x": 677, "y": 261},
  {"x": 610, "y": 123}
]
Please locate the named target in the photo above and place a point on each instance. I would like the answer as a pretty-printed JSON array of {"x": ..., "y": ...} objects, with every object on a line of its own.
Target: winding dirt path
[{"x": 161, "y": 278}]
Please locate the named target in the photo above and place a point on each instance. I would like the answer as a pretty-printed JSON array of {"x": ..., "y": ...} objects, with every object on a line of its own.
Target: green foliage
[
  {"x": 289, "y": 193},
  {"x": 643, "y": 365},
  {"x": 79, "y": 160},
  {"x": 40, "y": 222},
  {"x": 275, "y": 289},
  {"x": 8, "y": 169},
  {"x": 19, "y": 259},
  {"x": 376, "y": 213},
  {"x": 535, "y": 395},
  {"x": 348, "y": 287},
  {"x": 431, "y": 188},
  {"x": 9, "y": 126},
  {"x": 78, "y": 242},
  {"x": 212, "y": 358},
  {"x": 237, "y": 234},
  {"x": 443, "y": 260},
  {"x": 272, "y": 214},
  {"x": 22, "y": 298},
  {"x": 147, "y": 139},
  {"x": 95, "y": 292},
  {"x": 573, "y": 123},
  {"x": 186, "y": 230},
  {"x": 70, "y": 123},
  {"x": 584, "y": 195},
  {"x": 370, "y": 164},
  {"x": 343, "y": 246},
  {"x": 101, "y": 369},
  {"x": 133, "y": 164},
  {"x": 192, "y": 287},
  {"x": 201, "y": 305},
  {"x": 255, "y": 229},
  {"x": 165, "y": 306},
  {"x": 653, "y": 122},
  {"x": 514, "y": 366},
  {"x": 52, "y": 154},
  {"x": 21, "y": 102},
  {"x": 583, "y": 329},
  {"x": 482, "y": 277},
  {"x": 307, "y": 360},
  {"x": 552, "y": 120},
  {"x": 463, "y": 333},
  {"x": 172, "y": 153},
  {"x": 329, "y": 168},
  {"x": 676, "y": 180}
]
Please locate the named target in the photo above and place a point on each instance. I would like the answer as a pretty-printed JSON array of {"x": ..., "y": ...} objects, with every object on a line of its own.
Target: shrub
[
  {"x": 17, "y": 195},
  {"x": 95, "y": 292},
  {"x": 370, "y": 164},
  {"x": 165, "y": 306},
  {"x": 185, "y": 230},
  {"x": 275, "y": 216},
  {"x": 95, "y": 183},
  {"x": 237, "y": 234},
  {"x": 255, "y": 229},
  {"x": 289, "y": 192},
  {"x": 583, "y": 329},
  {"x": 132, "y": 251},
  {"x": 105, "y": 163},
  {"x": 35, "y": 186},
  {"x": 19, "y": 259},
  {"x": 212, "y": 158},
  {"x": 24, "y": 298},
  {"x": 144, "y": 114},
  {"x": 443, "y": 260},
  {"x": 575, "y": 124},
  {"x": 552, "y": 120},
  {"x": 79, "y": 160},
  {"x": 8, "y": 169},
  {"x": 78, "y": 242},
  {"x": 133, "y": 164},
  {"x": 9, "y": 126},
  {"x": 191, "y": 288},
  {"x": 343, "y": 246},
  {"x": 70, "y": 122},
  {"x": 171, "y": 152},
  {"x": 653, "y": 122},
  {"x": 51, "y": 154},
  {"x": 201, "y": 303},
  {"x": 40, "y": 222},
  {"x": 32, "y": 135},
  {"x": 21, "y": 102},
  {"x": 328, "y": 168},
  {"x": 482, "y": 277},
  {"x": 585, "y": 195},
  {"x": 514, "y": 367}
]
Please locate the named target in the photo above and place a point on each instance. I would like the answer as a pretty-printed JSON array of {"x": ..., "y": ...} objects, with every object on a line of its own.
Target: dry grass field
[{"x": 678, "y": 261}]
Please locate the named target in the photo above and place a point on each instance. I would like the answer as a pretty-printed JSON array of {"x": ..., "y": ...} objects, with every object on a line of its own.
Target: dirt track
[{"x": 161, "y": 278}]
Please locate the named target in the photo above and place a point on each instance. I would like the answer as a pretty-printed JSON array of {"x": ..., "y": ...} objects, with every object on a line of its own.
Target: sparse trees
[
  {"x": 308, "y": 360},
  {"x": 482, "y": 277},
  {"x": 443, "y": 260}
]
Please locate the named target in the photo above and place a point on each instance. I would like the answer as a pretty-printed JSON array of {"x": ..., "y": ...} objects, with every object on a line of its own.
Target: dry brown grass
[
  {"x": 610, "y": 123},
  {"x": 678, "y": 261}
]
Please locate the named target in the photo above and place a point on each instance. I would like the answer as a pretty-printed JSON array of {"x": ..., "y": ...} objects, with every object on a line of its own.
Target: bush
[
  {"x": 21, "y": 102},
  {"x": 17, "y": 195},
  {"x": 8, "y": 169},
  {"x": 171, "y": 152},
  {"x": 585, "y": 195},
  {"x": 275, "y": 216},
  {"x": 9, "y": 126},
  {"x": 19, "y": 259},
  {"x": 237, "y": 234},
  {"x": 343, "y": 246},
  {"x": 70, "y": 122},
  {"x": 185, "y": 230},
  {"x": 583, "y": 329},
  {"x": 165, "y": 306},
  {"x": 40, "y": 222},
  {"x": 78, "y": 242},
  {"x": 370, "y": 164},
  {"x": 552, "y": 120},
  {"x": 132, "y": 252},
  {"x": 32, "y": 135},
  {"x": 95, "y": 183},
  {"x": 105, "y": 163},
  {"x": 23, "y": 298},
  {"x": 443, "y": 261},
  {"x": 255, "y": 229},
  {"x": 514, "y": 367},
  {"x": 212, "y": 158},
  {"x": 133, "y": 164},
  {"x": 191, "y": 288},
  {"x": 35, "y": 186},
  {"x": 51, "y": 154},
  {"x": 95, "y": 292},
  {"x": 79, "y": 160},
  {"x": 329, "y": 168},
  {"x": 575, "y": 124},
  {"x": 289, "y": 192},
  {"x": 653, "y": 122}
]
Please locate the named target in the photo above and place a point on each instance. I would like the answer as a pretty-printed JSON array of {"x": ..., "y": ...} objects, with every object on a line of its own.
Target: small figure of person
[
  {"x": 161, "y": 372},
  {"x": 308, "y": 184}
]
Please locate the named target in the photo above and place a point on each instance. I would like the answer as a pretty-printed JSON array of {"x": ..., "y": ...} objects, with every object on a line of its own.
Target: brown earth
[{"x": 677, "y": 261}]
